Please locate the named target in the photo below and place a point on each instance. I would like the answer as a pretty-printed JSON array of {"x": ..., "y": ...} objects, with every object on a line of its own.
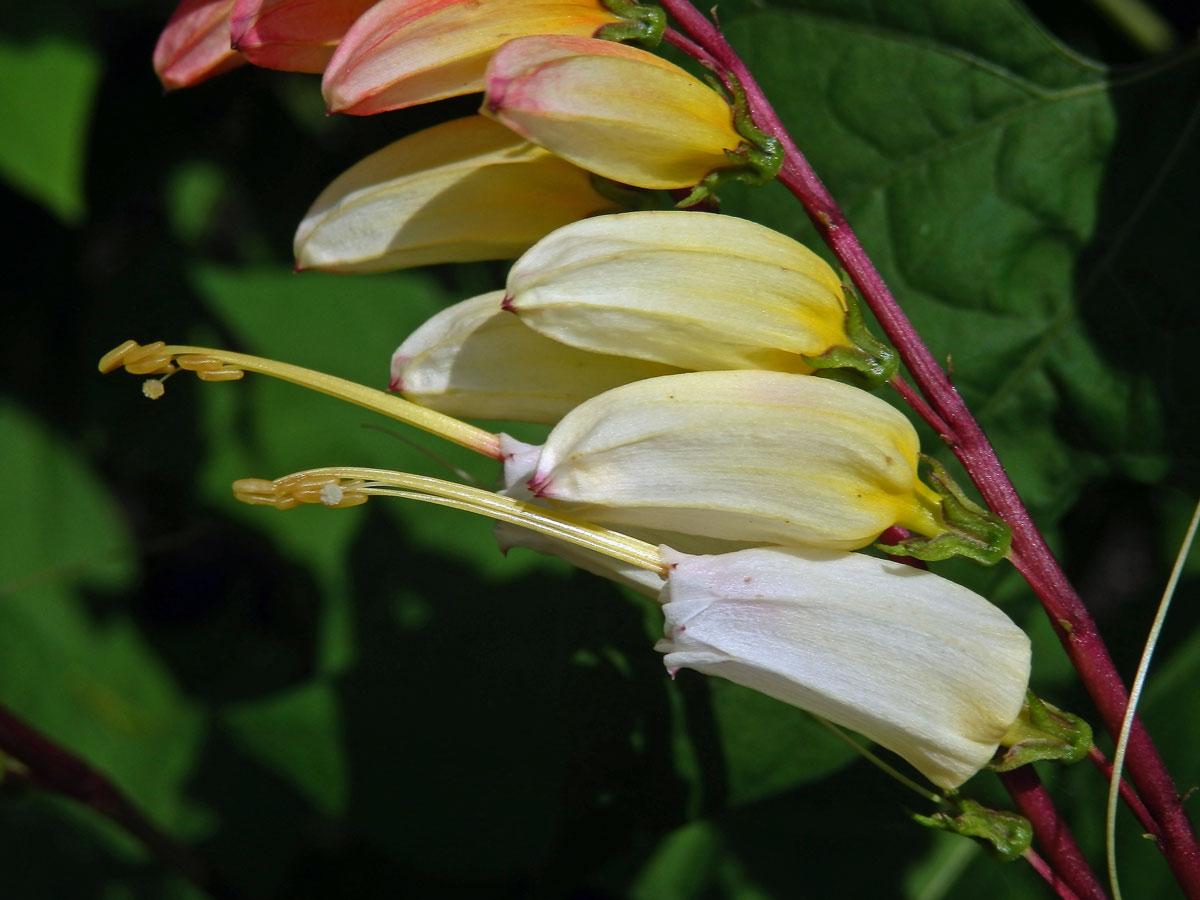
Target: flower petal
[
  {"x": 404, "y": 52},
  {"x": 615, "y": 110},
  {"x": 194, "y": 45},
  {"x": 767, "y": 457},
  {"x": 921, "y": 665},
  {"x": 475, "y": 360},
  {"x": 692, "y": 290},
  {"x": 465, "y": 190},
  {"x": 293, "y": 35}
]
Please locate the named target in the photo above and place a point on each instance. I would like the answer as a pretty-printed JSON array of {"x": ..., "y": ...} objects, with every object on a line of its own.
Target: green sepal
[
  {"x": 757, "y": 159},
  {"x": 971, "y": 530},
  {"x": 1006, "y": 835},
  {"x": 1043, "y": 731},
  {"x": 640, "y": 25},
  {"x": 867, "y": 362}
]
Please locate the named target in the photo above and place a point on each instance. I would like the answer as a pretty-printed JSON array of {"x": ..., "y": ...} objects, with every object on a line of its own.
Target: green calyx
[
  {"x": 1043, "y": 731},
  {"x": 756, "y": 160},
  {"x": 970, "y": 530},
  {"x": 867, "y": 362},
  {"x": 1006, "y": 835},
  {"x": 639, "y": 25}
]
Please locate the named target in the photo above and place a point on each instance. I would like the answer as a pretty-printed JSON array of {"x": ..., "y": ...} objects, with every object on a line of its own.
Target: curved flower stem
[
  {"x": 53, "y": 768},
  {"x": 958, "y": 427},
  {"x": 1052, "y": 833}
]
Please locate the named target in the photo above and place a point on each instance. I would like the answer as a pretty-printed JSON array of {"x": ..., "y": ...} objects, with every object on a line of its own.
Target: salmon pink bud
[
  {"x": 912, "y": 661},
  {"x": 618, "y": 111},
  {"x": 194, "y": 46},
  {"x": 475, "y": 360},
  {"x": 768, "y": 457},
  {"x": 293, "y": 35},
  {"x": 404, "y": 52},
  {"x": 690, "y": 290},
  {"x": 467, "y": 189}
]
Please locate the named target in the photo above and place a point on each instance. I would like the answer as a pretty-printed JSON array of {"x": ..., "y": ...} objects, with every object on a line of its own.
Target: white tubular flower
[
  {"x": 475, "y": 360},
  {"x": 692, "y": 290},
  {"x": 762, "y": 457},
  {"x": 916, "y": 663}
]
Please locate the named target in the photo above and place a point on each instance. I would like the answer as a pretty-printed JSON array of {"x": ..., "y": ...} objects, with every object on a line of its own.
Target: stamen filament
[
  {"x": 221, "y": 365},
  {"x": 350, "y": 486}
]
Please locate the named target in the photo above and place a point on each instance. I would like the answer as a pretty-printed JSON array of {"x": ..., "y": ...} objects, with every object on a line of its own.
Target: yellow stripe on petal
[
  {"x": 465, "y": 190},
  {"x": 620, "y": 112}
]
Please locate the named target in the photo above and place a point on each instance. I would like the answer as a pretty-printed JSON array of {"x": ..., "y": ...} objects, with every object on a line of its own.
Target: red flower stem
[
  {"x": 1051, "y": 832},
  {"x": 1132, "y": 800},
  {"x": 1052, "y": 878},
  {"x": 1069, "y": 617},
  {"x": 53, "y": 768}
]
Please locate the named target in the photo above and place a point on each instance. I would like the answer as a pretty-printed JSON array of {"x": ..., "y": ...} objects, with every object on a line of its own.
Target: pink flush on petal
[
  {"x": 195, "y": 44},
  {"x": 292, "y": 35}
]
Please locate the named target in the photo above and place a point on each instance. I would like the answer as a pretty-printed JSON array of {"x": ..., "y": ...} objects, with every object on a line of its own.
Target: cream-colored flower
[
  {"x": 692, "y": 290},
  {"x": 915, "y": 662},
  {"x": 475, "y": 360}
]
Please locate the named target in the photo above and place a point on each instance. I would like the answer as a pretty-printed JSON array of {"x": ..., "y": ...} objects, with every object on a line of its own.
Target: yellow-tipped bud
[
  {"x": 623, "y": 113},
  {"x": 475, "y": 360},
  {"x": 745, "y": 456},
  {"x": 692, "y": 290},
  {"x": 465, "y": 190}
]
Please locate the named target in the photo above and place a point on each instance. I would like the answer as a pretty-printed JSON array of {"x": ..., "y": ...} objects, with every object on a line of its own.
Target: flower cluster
[{"x": 697, "y": 452}]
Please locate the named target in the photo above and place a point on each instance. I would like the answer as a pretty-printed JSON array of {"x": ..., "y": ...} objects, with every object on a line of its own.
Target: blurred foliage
[{"x": 375, "y": 702}]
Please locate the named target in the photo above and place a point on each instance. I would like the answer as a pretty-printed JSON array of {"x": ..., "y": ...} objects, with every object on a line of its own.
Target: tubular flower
[
  {"x": 293, "y": 35},
  {"x": 404, "y": 52},
  {"x": 194, "y": 46},
  {"x": 916, "y": 663},
  {"x": 473, "y": 359},
  {"x": 686, "y": 289},
  {"x": 464, "y": 190},
  {"x": 615, "y": 110},
  {"x": 767, "y": 457}
]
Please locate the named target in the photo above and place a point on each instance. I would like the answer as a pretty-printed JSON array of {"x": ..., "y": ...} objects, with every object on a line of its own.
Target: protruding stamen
[
  {"x": 342, "y": 487},
  {"x": 218, "y": 365}
]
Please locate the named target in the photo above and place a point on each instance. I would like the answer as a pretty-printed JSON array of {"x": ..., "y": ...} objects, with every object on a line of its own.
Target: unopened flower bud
[
  {"x": 916, "y": 663},
  {"x": 692, "y": 290},
  {"x": 465, "y": 190},
  {"x": 403, "y": 52},
  {"x": 615, "y": 110}
]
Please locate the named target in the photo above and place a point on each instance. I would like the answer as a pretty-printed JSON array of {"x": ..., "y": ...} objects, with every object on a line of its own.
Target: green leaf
[
  {"x": 46, "y": 89},
  {"x": 89, "y": 683}
]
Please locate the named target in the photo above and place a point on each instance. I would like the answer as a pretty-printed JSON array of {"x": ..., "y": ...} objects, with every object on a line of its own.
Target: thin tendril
[{"x": 1135, "y": 694}]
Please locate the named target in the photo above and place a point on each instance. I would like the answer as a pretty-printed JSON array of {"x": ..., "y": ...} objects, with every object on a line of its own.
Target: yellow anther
[
  {"x": 195, "y": 362},
  {"x": 115, "y": 357},
  {"x": 229, "y": 374}
]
